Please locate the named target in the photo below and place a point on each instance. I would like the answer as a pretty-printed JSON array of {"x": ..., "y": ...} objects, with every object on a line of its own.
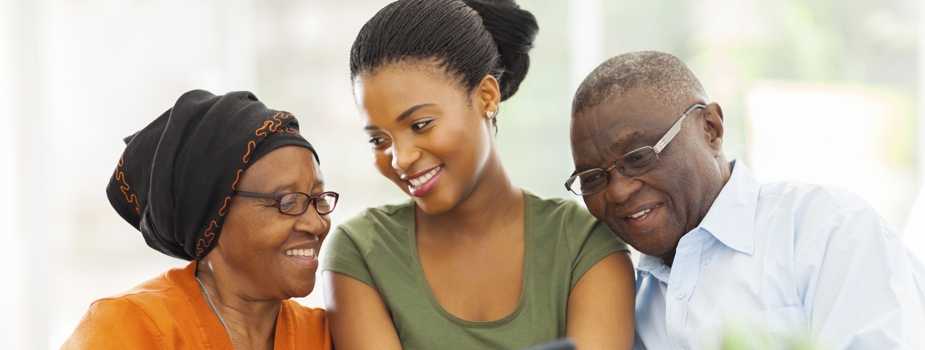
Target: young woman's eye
[
  {"x": 378, "y": 141},
  {"x": 420, "y": 125}
]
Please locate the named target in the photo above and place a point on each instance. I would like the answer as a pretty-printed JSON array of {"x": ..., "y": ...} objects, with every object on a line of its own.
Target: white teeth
[
  {"x": 640, "y": 214},
  {"x": 301, "y": 252},
  {"x": 420, "y": 180}
]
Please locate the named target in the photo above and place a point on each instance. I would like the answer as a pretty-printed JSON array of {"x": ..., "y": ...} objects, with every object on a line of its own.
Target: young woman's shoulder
[
  {"x": 382, "y": 219},
  {"x": 559, "y": 211},
  {"x": 386, "y": 230},
  {"x": 569, "y": 223}
]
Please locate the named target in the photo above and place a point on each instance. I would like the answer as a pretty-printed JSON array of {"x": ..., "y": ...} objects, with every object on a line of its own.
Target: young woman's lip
[
  {"x": 407, "y": 178},
  {"x": 427, "y": 186}
]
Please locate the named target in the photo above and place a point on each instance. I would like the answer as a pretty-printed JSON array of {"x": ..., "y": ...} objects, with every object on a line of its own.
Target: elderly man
[{"x": 722, "y": 253}]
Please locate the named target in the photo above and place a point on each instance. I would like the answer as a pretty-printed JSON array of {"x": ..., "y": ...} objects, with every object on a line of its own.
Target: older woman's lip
[{"x": 313, "y": 241}]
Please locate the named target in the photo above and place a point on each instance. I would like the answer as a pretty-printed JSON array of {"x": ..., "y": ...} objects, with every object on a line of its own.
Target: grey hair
[{"x": 660, "y": 73}]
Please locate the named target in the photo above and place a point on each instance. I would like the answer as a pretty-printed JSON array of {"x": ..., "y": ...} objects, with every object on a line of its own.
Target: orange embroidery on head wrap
[
  {"x": 237, "y": 177},
  {"x": 250, "y": 148},
  {"x": 268, "y": 127},
  {"x": 130, "y": 197},
  {"x": 206, "y": 239},
  {"x": 221, "y": 212}
]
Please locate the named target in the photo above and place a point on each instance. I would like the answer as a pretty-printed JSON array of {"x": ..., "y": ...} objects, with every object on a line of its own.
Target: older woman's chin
[{"x": 301, "y": 289}]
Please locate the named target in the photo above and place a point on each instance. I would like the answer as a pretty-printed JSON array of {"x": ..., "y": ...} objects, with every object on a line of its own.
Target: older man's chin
[{"x": 648, "y": 243}]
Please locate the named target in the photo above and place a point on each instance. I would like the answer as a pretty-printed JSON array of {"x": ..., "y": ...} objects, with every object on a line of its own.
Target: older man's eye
[{"x": 593, "y": 178}]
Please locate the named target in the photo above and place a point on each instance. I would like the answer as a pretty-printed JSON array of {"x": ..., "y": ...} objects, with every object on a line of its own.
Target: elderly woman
[{"x": 230, "y": 185}]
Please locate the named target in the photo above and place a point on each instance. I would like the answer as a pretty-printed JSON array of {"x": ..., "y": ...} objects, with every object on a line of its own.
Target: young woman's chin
[{"x": 434, "y": 204}]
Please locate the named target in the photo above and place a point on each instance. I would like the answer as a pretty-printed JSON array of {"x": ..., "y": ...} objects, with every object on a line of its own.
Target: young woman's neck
[
  {"x": 493, "y": 199},
  {"x": 251, "y": 323}
]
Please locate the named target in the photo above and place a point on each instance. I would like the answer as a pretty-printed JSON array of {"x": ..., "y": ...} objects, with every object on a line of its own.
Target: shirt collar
[
  {"x": 654, "y": 266},
  {"x": 731, "y": 218}
]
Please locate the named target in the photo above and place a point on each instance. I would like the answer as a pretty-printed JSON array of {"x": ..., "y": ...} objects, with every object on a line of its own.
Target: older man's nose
[{"x": 620, "y": 188}]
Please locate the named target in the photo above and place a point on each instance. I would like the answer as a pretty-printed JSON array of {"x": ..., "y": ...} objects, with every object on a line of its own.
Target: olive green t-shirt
[{"x": 561, "y": 242}]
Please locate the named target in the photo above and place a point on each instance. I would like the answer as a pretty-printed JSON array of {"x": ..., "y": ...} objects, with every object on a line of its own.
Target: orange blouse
[{"x": 169, "y": 312}]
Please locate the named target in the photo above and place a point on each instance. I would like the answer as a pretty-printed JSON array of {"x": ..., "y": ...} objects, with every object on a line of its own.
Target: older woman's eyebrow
[{"x": 282, "y": 187}]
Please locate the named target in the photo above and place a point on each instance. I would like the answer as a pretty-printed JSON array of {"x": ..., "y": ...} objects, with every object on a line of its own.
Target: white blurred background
[{"x": 823, "y": 91}]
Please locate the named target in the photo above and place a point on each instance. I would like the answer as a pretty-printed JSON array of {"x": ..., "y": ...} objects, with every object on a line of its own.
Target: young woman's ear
[{"x": 488, "y": 96}]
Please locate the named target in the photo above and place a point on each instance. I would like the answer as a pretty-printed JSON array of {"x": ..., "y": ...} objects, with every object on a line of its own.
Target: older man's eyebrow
[{"x": 624, "y": 139}]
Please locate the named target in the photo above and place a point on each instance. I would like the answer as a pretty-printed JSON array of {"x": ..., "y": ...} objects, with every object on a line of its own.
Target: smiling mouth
[
  {"x": 302, "y": 253},
  {"x": 423, "y": 183},
  {"x": 641, "y": 214}
]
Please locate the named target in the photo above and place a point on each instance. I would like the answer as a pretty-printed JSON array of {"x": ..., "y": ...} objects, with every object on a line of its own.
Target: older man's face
[{"x": 680, "y": 189}]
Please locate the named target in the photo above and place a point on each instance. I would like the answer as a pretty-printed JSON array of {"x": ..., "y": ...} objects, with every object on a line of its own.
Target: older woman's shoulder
[
  {"x": 133, "y": 319},
  {"x": 307, "y": 327}
]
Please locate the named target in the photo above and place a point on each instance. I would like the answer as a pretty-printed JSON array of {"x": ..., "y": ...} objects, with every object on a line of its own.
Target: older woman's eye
[{"x": 420, "y": 125}]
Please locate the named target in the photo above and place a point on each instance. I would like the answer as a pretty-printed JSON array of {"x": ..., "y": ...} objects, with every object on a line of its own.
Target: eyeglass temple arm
[
  {"x": 255, "y": 194},
  {"x": 675, "y": 129}
]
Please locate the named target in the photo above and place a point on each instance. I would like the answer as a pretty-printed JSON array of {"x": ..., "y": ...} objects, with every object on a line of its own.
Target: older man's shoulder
[
  {"x": 806, "y": 218},
  {"x": 811, "y": 202}
]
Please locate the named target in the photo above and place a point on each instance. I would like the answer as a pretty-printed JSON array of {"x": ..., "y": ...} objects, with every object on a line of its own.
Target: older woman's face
[{"x": 257, "y": 237}]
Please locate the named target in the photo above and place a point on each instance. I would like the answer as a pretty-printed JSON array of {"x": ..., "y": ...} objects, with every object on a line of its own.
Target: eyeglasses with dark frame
[
  {"x": 634, "y": 163},
  {"x": 296, "y": 203}
]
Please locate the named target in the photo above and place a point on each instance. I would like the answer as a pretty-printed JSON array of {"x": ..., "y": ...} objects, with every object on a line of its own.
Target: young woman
[{"x": 472, "y": 261}]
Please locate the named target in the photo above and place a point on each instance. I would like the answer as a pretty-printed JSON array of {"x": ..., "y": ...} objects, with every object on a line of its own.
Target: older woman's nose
[{"x": 313, "y": 223}]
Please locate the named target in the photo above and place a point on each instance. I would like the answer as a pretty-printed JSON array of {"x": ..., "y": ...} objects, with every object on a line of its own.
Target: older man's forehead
[{"x": 601, "y": 144}]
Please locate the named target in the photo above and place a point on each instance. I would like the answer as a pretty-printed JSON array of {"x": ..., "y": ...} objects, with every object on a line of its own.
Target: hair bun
[{"x": 513, "y": 30}]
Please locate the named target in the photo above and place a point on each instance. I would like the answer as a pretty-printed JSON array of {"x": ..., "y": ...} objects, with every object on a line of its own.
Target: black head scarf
[{"x": 175, "y": 180}]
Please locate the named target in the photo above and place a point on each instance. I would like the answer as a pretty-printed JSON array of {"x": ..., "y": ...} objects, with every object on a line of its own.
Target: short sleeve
[
  {"x": 342, "y": 255},
  {"x": 599, "y": 244},
  {"x": 115, "y": 324}
]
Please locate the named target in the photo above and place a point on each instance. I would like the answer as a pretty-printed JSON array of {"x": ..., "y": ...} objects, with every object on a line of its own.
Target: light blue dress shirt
[{"x": 772, "y": 262}]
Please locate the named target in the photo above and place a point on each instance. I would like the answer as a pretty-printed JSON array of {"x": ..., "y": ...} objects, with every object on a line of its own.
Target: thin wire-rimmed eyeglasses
[
  {"x": 634, "y": 163},
  {"x": 296, "y": 203}
]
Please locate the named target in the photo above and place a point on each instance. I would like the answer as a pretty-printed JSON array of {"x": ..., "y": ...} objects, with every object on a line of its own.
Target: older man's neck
[{"x": 724, "y": 168}]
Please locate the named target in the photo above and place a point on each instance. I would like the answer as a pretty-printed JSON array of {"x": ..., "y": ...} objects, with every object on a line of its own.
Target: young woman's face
[{"x": 428, "y": 134}]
